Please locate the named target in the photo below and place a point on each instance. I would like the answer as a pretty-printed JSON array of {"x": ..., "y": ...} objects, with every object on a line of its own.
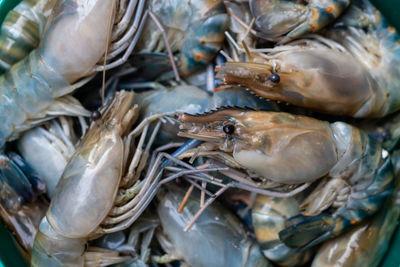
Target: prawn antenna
[
  {"x": 185, "y": 198},
  {"x": 53, "y": 11},
  {"x": 206, "y": 204},
  {"x": 246, "y": 48},
  {"x": 106, "y": 52},
  {"x": 171, "y": 57},
  {"x": 241, "y": 22}
]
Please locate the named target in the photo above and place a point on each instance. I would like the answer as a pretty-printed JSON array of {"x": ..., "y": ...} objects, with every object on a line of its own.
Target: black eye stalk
[
  {"x": 95, "y": 115},
  {"x": 228, "y": 129},
  {"x": 275, "y": 78}
]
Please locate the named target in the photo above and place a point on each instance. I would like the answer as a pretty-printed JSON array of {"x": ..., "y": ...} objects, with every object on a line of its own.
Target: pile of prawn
[{"x": 199, "y": 132}]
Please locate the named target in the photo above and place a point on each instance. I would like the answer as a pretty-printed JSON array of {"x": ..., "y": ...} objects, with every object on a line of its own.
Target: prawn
[
  {"x": 35, "y": 88},
  {"x": 294, "y": 149},
  {"x": 90, "y": 182},
  {"x": 353, "y": 73}
]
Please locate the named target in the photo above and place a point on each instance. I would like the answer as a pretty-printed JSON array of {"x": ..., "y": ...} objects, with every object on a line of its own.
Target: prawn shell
[
  {"x": 86, "y": 191},
  {"x": 221, "y": 239}
]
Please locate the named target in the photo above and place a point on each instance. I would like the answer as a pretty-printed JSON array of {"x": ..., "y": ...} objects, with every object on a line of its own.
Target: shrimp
[
  {"x": 24, "y": 181},
  {"x": 35, "y": 89},
  {"x": 354, "y": 73},
  {"x": 217, "y": 238},
  {"x": 21, "y": 205},
  {"x": 15, "y": 172},
  {"x": 366, "y": 244},
  {"x": 292, "y": 149},
  {"x": 191, "y": 99},
  {"x": 22, "y": 29},
  {"x": 90, "y": 182},
  {"x": 21, "y": 218},
  {"x": 195, "y": 28},
  {"x": 136, "y": 241},
  {"x": 284, "y": 21},
  {"x": 55, "y": 138},
  {"x": 157, "y": 98},
  {"x": 269, "y": 215}
]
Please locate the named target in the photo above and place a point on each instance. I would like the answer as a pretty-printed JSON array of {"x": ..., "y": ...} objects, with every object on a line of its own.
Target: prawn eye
[
  {"x": 95, "y": 115},
  {"x": 228, "y": 129},
  {"x": 275, "y": 78}
]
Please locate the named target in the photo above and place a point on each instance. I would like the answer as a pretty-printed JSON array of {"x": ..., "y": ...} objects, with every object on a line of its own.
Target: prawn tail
[{"x": 21, "y": 30}]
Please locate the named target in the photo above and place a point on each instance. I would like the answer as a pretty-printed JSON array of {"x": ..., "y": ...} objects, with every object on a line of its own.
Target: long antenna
[
  {"x": 208, "y": 203},
  {"x": 171, "y": 57},
  {"x": 50, "y": 19},
  {"x": 105, "y": 54},
  {"x": 246, "y": 48}
]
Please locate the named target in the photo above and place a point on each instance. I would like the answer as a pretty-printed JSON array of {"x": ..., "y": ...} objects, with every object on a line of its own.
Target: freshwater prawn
[
  {"x": 233, "y": 247},
  {"x": 56, "y": 138},
  {"x": 291, "y": 149},
  {"x": 348, "y": 71},
  {"x": 35, "y": 88},
  {"x": 269, "y": 215},
  {"x": 367, "y": 243},
  {"x": 101, "y": 187},
  {"x": 101, "y": 162}
]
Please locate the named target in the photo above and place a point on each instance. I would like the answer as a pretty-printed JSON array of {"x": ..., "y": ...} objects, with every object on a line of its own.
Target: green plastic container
[
  {"x": 392, "y": 258},
  {"x": 5, "y": 6},
  {"x": 9, "y": 254}
]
